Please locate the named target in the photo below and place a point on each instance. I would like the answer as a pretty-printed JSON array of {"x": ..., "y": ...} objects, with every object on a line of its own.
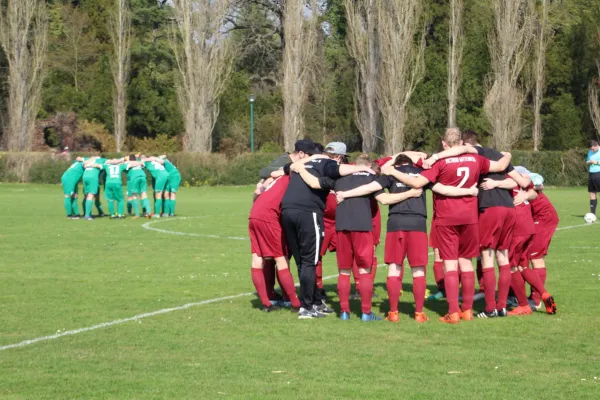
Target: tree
[
  {"x": 204, "y": 55},
  {"x": 509, "y": 46},
  {"x": 542, "y": 39},
  {"x": 402, "y": 64},
  {"x": 594, "y": 101},
  {"x": 300, "y": 28},
  {"x": 361, "y": 16},
  {"x": 455, "y": 52},
  {"x": 24, "y": 37},
  {"x": 120, "y": 32}
]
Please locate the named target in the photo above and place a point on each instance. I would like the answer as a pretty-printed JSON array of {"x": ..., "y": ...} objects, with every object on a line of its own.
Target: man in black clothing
[{"x": 302, "y": 210}]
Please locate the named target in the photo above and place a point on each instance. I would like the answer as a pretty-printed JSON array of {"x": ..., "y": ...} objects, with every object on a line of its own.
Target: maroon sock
[
  {"x": 287, "y": 284},
  {"x": 319, "y": 273},
  {"x": 438, "y": 274},
  {"x": 269, "y": 274},
  {"x": 258, "y": 279},
  {"x": 419, "y": 286},
  {"x": 467, "y": 281},
  {"x": 533, "y": 279},
  {"x": 366, "y": 292},
  {"x": 489, "y": 285},
  {"x": 518, "y": 286},
  {"x": 344, "y": 292},
  {"x": 394, "y": 286},
  {"x": 504, "y": 279},
  {"x": 480, "y": 276},
  {"x": 535, "y": 295},
  {"x": 374, "y": 269},
  {"x": 451, "y": 286}
]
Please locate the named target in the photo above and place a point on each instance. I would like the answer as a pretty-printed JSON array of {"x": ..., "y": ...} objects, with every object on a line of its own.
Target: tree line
[{"x": 380, "y": 75}]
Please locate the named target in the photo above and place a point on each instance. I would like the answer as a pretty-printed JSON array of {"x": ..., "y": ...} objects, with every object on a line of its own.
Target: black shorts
[{"x": 594, "y": 182}]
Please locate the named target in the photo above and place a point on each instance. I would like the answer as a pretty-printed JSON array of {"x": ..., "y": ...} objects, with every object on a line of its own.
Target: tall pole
[{"x": 252, "y": 98}]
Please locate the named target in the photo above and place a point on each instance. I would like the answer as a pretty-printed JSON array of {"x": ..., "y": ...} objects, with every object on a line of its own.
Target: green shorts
[
  {"x": 69, "y": 187},
  {"x": 173, "y": 183},
  {"x": 160, "y": 183},
  {"x": 113, "y": 191},
  {"x": 91, "y": 186},
  {"x": 137, "y": 185}
]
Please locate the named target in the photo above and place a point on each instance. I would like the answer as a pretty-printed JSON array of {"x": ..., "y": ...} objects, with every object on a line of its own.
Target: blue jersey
[{"x": 594, "y": 156}]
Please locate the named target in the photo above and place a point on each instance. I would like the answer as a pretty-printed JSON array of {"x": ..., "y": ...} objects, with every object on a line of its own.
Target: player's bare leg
[
  {"x": 467, "y": 281},
  {"x": 394, "y": 290},
  {"x": 287, "y": 281},
  {"x": 258, "y": 280}
]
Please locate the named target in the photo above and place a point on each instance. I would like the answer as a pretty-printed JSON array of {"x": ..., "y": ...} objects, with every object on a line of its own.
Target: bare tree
[
  {"x": 594, "y": 101},
  {"x": 24, "y": 37},
  {"x": 402, "y": 64},
  {"x": 456, "y": 45},
  {"x": 300, "y": 28},
  {"x": 543, "y": 38},
  {"x": 120, "y": 31},
  {"x": 204, "y": 54},
  {"x": 361, "y": 17},
  {"x": 509, "y": 46}
]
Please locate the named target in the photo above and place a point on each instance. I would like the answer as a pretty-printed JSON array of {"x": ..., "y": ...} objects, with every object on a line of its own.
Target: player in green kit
[
  {"x": 137, "y": 186},
  {"x": 91, "y": 183},
  {"x": 172, "y": 186},
  {"x": 113, "y": 190},
  {"x": 69, "y": 180},
  {"x": 160, "y": 176}
]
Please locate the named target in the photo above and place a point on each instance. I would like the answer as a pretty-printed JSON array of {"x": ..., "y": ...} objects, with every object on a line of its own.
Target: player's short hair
[
  {"x": 470, "y": 137},
  {"x": 132, "y": 157},
  {"x": 452, "y": 137},
  {"x": 403, "y": 159},
  {"x": 376, "y": 168},
  {"x": 592, "y": 143},
  {"x": 319, "y": 147},
  {"x": 363, "y": 159}
]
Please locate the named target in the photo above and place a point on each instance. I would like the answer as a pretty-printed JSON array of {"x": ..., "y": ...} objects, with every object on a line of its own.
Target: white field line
[
  {"x": 148, "y": 226},
  {"x": 164, "y": 310}
]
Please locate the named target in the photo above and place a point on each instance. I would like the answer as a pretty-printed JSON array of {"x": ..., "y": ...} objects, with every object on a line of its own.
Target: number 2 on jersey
[{"x": 464, "y": 172}]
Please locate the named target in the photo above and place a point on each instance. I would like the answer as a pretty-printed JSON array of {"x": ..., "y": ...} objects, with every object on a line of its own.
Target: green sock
[
  {"x": 75, "y": 206},
  {"x": 83, "y": 203},
  {"x": 121, "y": 207},
  {"x": 158, "y": 206},
  {"x": 111, "y": 207},
  {"x": 67, "y": 203},
  {"x": 88, "y": 208},
  {"x": 136, "y": 207},
  {"x": 146, "y": 205},
  {"x": 129, "y": 206},
  {"x": 99, "y": 206},
  {"x": 173, "y": 202}
]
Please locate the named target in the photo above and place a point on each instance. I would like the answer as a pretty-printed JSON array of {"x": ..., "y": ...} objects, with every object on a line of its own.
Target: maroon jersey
[
  {"x": 524, "y": 223},
  {"x": 330, "y": 207},
  {"x": 267, "y": 206},
  {"x": 460, "y": 172},
  {"x": 543, "y": 211}
]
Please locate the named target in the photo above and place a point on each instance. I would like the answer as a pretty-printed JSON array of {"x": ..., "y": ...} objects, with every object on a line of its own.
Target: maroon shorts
[
  {"x": 354, "y": 247},
  {"x": 519, "y": 250},
  {"x": 496, "y": 227},
  {"x": 456, "y": 241},
  {"x": 432, "y": 236},
  {"x": 377, "y": 230},
  {"x": 267, "y": 238},
  {"x": 541, "y": 240},
  {"x": 401, "y": 244},
  {"x": 330, "y": 239}
]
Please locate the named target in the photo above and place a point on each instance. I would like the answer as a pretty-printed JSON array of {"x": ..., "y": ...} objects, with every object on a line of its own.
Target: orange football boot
[
  {"x": 453, "y": 318},
  {"x": 467, "y": 315},
  {"x": 521, "y": 310},
  {"x": 420, "y": 317},
  {"x": 549, "y": 303},
  {"x": 393, "y": 316}
]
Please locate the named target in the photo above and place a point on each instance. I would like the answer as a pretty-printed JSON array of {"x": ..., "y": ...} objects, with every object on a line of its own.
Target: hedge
[{"x": 559, "y": 168}]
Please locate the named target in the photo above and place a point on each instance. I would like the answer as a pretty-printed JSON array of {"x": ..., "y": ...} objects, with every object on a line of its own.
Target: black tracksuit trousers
[{"x": 304, "y": 232}]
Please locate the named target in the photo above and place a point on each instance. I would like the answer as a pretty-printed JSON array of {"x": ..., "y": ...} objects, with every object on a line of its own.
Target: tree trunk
[
  {"x": 540, "y": 67},
  {"x": 456, "y": 36},
  {"x": 120, "y": 25}
]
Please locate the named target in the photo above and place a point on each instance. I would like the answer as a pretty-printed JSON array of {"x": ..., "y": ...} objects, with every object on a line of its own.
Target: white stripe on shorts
[{"x": 318, "y": 248}]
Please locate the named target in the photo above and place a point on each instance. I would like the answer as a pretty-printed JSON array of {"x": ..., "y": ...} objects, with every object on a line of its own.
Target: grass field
[{"x": 58, "y": 275}]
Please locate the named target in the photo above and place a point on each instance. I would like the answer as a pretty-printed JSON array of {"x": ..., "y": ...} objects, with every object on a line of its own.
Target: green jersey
[
  {"x": 171, "y": 169},
  {"x": 134, "y": 172},
  {"x": 156, "y": 169},
  {"x": 93, "y": 173},
  {"x": 113, "y": 173},
  {"x": 74, "y": 173}
]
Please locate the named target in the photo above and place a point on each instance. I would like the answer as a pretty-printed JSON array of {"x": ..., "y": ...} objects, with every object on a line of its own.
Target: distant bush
[{"x": 559, "y": 168}]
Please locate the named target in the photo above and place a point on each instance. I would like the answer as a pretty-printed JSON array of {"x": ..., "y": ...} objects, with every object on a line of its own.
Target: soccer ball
[{"x": 589, "y": 218}]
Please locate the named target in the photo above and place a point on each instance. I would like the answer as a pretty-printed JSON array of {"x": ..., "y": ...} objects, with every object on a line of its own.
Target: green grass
[{"x": 57, "y": 274}]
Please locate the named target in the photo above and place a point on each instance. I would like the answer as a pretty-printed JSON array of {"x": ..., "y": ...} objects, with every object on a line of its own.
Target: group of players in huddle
[
  {"x": 482, "y": 208},
  {"x": 165, "y": 182}
]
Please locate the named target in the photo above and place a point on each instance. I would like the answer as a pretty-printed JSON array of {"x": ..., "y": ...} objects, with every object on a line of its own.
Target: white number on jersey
[
  {"x": 113, "y": 171},
  {"x": 464, "y": 172}
]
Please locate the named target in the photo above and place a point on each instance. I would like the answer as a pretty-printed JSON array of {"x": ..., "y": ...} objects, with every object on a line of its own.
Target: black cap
[{"x": 306, "y": 146}]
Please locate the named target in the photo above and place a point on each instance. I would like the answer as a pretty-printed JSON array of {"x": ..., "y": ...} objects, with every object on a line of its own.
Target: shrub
[
  {"x": 159, "y": 145},
  {"x": 48, "y": 171}
]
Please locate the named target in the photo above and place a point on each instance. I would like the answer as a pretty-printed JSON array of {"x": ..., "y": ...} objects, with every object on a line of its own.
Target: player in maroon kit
[
  {"x": 329, "y": 241},
  {"x": 406, "y": 230},
  {"x": 456, "y": 219}
]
